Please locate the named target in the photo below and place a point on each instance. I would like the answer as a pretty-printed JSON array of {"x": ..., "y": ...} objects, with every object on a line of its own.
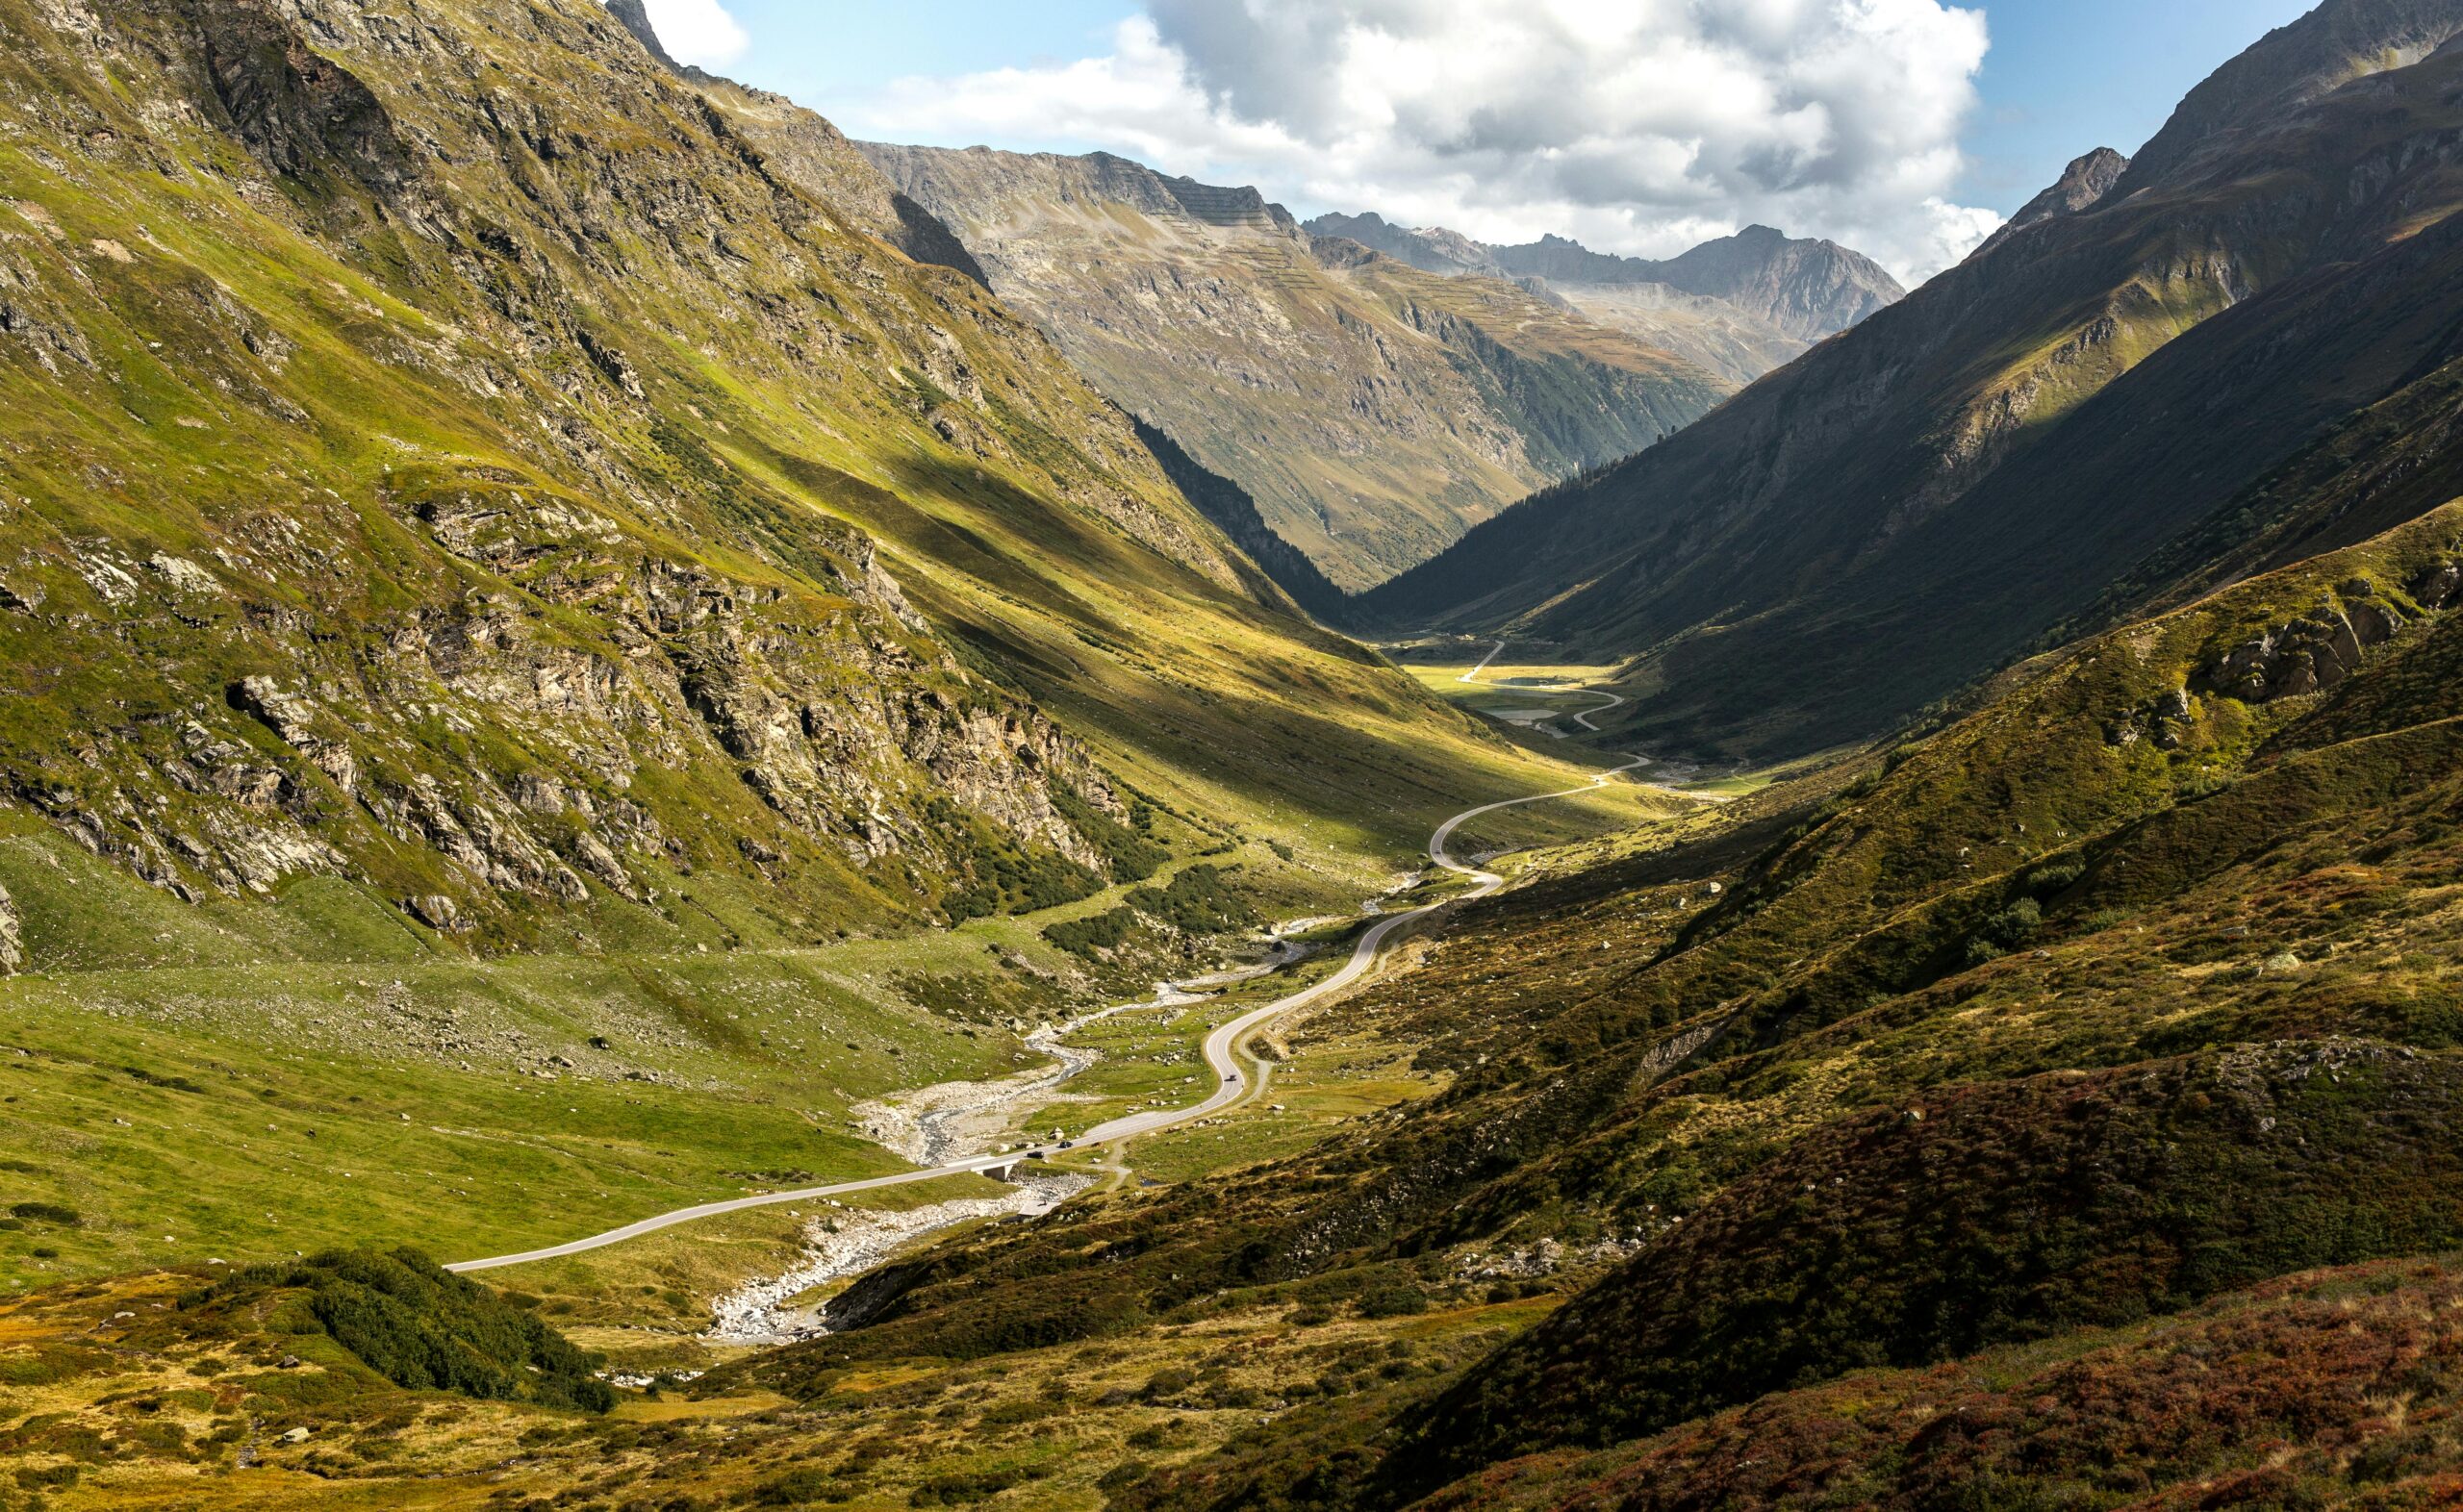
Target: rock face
[
  {"x": 1740, "y": 306},
  {"x": 2310, "y": 654},
  {"x": 2098, "y": 414},
  {"x": 1370, "y": 409},
  {"x": 2081, "y": 187},
  {"x": 12, "y": 944},
  {"x": 588, "y": 520},
  {"x": 635, "y": 18}
]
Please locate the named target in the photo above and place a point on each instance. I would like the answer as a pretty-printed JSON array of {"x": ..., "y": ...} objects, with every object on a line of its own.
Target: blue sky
[
  {"x": 2062, "y": 78},
  {"x": 1973, "y": 140}
]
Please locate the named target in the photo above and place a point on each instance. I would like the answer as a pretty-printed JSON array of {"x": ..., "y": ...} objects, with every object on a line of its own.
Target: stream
[{"x": 940, "y": 1123}]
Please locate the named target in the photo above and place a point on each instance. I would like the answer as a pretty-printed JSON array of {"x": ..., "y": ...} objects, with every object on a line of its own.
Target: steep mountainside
[
  {"x": 1988, "y": 455},
  {"x": 1372, "y": 410},
  {"x": 510, "y": 510},
  {"x": 1740, "y": 306}
]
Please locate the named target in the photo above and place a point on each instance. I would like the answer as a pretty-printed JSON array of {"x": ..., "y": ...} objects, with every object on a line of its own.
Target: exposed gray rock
[
  {"x": 2080, "y": 187},
  {"x": 296, "y": 719},
  {"x": 12, "y": 948},
  {"x": 435, "y": 910},
  {"x": 2311, "y": 654},
  {"x": 2438, "y": 587}
]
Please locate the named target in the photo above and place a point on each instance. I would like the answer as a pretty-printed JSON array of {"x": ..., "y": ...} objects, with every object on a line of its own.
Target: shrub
[
  {"x": 2050, "y": 881},
  {"x": 1199, "y": 901},
  {"x": 1396, "y": 1299},
  {"x": 2005, "y": 931},
  {"x": 1127, "y": 854},
  {"x": 1095, "y": 932},
  {"x": 969, "y": 1486},
  {"x": 423, "y": 1329},
  {"x": 799, "y": 1486},
  {"x": 1004, "y": 874},
  {"x": 45, "y": 1213}
]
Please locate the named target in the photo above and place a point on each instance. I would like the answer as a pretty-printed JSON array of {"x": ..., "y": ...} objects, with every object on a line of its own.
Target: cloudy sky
[{"x": 1905, "y": 128}]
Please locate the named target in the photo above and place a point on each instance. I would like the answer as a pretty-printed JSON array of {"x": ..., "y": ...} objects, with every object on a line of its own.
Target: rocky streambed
[
  {"x": 953, "y": 1120},
  {"x": 935, "y": 1126},
  {"x": 842, "y": 1243}
]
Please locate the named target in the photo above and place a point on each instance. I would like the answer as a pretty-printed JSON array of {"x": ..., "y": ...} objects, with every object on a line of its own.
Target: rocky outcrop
[
  {"x": 2080, "y": 187},
  {"x": 635, "y": 18},
  {"x": 2309, "y": 654},
  {"x": 2439, "y": 586},
  {"x": 302, "y": 726},
  {"x": 12, "y": 943}
]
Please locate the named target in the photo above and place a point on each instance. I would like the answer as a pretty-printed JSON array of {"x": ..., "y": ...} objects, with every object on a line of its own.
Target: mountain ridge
[
  {"x": 1909, "y": 468},
  {"x": 1739, "y": 305},
  {"x": 1370, "y": 409}
]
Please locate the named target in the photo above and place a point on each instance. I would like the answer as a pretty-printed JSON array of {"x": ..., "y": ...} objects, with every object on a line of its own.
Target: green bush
[
  {"x": 799, "y": 1487},
  {"x": 969, "y": 1486},
  {"x": 1004, "y": 875},
  {"x": 1095, "y": 932},
  {"x": 2005, "y": 931},
  {"x": 425, "y": 1328},
  {"x": 1199, "y": 901},
  {"x": 1127, "y": 854},
  {"x": 1396, "y": 1299},
  {"x": 45, "y": 1213},
  {"x": 2050, "y": 881}
]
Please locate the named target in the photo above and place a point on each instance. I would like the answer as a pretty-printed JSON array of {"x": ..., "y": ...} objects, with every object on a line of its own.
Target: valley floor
[{"x": 777, "y": 1099}]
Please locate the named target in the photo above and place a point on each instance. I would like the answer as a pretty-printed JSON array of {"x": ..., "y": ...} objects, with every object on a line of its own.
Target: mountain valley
[{"x": 697, "y": 814}]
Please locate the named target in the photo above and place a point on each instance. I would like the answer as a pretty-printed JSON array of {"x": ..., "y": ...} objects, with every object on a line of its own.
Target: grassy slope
[{"x": 358, "y": 343}]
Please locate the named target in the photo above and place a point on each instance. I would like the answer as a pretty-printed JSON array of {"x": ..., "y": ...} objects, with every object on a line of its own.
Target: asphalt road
[{"x": 1233, "y": 1083}]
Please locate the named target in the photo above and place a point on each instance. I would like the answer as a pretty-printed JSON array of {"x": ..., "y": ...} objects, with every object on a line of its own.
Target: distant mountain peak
[
  {"x": 1806, "y": 288},
  {"x": 1740, "y": 306},
  {"x": 1432, "y": 249}
]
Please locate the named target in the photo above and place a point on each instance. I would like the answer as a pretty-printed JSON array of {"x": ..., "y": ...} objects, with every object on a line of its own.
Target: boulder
[
  {"x": 12, "y": 948},
  {"x": 436, "y": 911},
  {"x": 2439, "y": 586}
]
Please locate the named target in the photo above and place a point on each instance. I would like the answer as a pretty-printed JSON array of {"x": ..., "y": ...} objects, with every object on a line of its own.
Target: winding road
[
  {"x": 1473, "y": 675},
  {"x": 1222, "y": 1054}
]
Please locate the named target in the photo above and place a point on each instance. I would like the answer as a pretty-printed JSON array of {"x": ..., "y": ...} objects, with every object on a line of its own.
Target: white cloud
[
  {"x": 1639, "y": 126},
  {"x": 698, "y": 32}
]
